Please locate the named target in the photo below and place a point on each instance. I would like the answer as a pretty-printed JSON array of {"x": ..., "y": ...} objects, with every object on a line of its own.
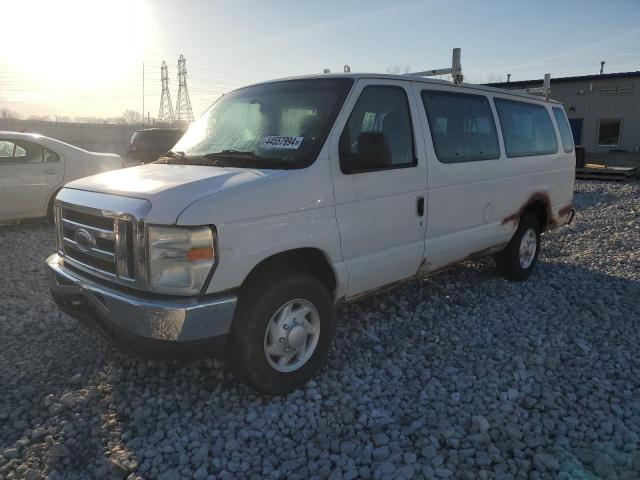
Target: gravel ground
[{"x": 462, "y": 375}]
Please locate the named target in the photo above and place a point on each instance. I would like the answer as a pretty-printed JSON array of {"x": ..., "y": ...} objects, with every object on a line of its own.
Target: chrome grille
[{"x": 102, "y": 243}]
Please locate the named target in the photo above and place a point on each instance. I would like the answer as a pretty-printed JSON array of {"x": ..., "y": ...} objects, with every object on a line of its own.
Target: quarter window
[
  {"x": 565, "y": 130},
  {"x": 609, "y": 133},
  {"x": 381, "y": 110},
  {"x": 49, "y": 157},
  {"x": 462, "y": 126},
  {"x": 526, "y": 128}
]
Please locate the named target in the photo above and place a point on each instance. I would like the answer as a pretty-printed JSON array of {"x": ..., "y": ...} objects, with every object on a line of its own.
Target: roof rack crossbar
[
  {"x": 545, "y": 89},
  {"x": 455, "y": 70}
]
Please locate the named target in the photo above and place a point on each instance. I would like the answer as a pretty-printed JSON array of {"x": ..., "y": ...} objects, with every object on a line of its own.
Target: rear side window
[
  {"x": 462, "y": 126},
  {"x": 20, "y": 151},
  {"x": 6, "y": 149},
  {"x": 526, "y": 128},
  {"x": 565, "y": 130}
]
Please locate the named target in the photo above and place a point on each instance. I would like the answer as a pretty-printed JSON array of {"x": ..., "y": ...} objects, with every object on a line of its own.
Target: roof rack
[
  {"x": 455, "y": 70},
  {"x": 545, "y": 89},
  {"x": 456, "y": 73}
]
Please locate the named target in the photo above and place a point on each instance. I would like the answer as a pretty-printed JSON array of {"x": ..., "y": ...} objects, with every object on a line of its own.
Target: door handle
[{"x": 420, "y": 209}]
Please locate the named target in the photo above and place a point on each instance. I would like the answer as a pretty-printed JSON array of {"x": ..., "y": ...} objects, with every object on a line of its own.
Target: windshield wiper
[
  {"x": 237, "y": 158},
  {"x": 172, "y": 154},
  {"x": 232, "y": 152},
  {"x": 226, "y": 158}
]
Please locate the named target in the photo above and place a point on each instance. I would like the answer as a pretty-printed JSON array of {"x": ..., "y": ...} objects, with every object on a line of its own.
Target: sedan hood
[{"x": 169, "y": 188}]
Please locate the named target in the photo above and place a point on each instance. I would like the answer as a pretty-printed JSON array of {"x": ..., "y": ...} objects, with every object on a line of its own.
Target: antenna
[
  {"x": 455, "y": 70},
  {"x": 602, "y": 67},
  {"x": 183, "y": 104},
  {"x": 166, "y": 108}
]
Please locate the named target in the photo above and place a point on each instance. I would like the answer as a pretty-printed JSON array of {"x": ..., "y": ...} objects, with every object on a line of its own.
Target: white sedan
[{"x": 33, "y": 168}]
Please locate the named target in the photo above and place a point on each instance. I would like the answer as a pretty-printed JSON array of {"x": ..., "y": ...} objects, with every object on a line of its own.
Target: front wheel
[
  {"x": 282, "y": 332},
  {"x": 518, "y": 259}
]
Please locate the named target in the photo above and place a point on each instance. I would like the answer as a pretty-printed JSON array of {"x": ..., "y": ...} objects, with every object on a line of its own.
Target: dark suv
[{"x": 148, "y": 145}]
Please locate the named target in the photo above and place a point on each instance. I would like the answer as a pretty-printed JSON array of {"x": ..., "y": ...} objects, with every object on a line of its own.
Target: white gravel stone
[{"x": 462, "y": 375}]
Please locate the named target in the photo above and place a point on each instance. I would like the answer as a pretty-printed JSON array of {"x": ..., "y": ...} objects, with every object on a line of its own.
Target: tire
[
  {"x": 260, "y": 301},
  {"x": 509, "y": 262}
]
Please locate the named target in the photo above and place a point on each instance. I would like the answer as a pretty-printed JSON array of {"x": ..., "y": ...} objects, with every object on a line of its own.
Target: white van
[{"x": 288, "y": 197}]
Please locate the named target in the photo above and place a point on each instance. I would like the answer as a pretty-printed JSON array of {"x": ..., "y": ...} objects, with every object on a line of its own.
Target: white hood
[{"x": 169, "y": 188}]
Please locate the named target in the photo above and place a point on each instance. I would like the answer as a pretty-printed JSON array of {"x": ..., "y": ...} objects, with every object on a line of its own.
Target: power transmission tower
[
  {"x": 183, "y": 105},
  {"x": 166, "y": 108}
]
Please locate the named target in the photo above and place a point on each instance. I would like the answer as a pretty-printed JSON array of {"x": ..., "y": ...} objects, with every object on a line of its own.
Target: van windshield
[{"x": 273, "y": 125}]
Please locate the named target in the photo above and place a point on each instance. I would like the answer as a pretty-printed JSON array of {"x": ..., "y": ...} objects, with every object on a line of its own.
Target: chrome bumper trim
[{"x": 172, "y": 319}]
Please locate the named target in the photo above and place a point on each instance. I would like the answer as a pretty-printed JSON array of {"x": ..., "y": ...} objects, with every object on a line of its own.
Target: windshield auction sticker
[{"x": 282, "y": 141}]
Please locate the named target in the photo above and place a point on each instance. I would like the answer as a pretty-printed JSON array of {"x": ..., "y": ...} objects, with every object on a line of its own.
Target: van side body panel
[
  {"x": 365, "y": 224},
  {"x": 473, "y": 207}
]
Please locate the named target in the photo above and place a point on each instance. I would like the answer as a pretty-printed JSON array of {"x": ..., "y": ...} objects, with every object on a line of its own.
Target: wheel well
[
  {"x": 307, "y": 260},
  {"x": 50, "y": 202},
  {"x": 540, "y": 210}
]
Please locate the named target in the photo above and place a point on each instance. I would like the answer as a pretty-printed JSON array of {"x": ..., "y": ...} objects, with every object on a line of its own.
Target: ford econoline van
[{"x": 289, "y": 197}]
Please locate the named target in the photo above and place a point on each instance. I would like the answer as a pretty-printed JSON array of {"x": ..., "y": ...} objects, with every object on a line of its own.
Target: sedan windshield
[{"x": 273, "y": 125}]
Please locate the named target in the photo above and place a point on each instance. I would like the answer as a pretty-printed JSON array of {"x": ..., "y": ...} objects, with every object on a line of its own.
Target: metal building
[{"x": 604, "y": 112}]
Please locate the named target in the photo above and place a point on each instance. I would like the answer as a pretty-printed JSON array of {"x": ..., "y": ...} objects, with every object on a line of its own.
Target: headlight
[{"x": 180, "y": 258}]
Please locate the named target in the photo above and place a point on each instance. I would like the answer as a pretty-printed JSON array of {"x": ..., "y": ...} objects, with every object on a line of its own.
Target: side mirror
[{"x": 374, "y": 152}]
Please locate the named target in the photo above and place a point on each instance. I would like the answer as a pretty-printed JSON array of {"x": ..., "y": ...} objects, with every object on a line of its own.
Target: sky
[{"x": 85, "y": 57}]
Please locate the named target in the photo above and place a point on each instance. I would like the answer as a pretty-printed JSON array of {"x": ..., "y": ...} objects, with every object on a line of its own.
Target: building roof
[{"x": 583, "y": 78}]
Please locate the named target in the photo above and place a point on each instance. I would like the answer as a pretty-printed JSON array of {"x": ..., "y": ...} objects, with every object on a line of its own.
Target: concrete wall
[{"x": 92, "y": 137}]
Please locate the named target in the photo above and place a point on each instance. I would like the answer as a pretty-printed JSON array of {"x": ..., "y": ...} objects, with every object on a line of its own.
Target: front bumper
[{"x": 150, "y": 326}]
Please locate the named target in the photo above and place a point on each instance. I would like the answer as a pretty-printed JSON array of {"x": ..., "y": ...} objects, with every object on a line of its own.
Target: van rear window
[
  {"x": 526, "y": 128},
  {"x": 565, "y": 130},
  {"x": 462, "y": 126}
]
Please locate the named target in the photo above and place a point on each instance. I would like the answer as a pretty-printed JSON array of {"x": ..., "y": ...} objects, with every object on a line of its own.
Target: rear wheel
[
  {"x": 282, "y": 332},
  {"x": 519, "y": 258}
]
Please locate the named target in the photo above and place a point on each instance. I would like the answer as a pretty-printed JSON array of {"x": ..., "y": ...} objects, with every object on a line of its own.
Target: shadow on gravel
[{"x": 541, "y": 361}]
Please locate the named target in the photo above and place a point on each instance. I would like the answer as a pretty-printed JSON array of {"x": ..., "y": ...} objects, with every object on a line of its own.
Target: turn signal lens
[{"x": 196, "y": 254}]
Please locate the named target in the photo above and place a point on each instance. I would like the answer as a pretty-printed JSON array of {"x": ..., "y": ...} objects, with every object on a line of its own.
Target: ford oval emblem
[{"x": 84, "y": 240}]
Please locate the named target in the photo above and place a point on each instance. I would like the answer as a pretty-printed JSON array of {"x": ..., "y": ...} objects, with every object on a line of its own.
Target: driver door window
[{"x": 380, "y": 121}]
